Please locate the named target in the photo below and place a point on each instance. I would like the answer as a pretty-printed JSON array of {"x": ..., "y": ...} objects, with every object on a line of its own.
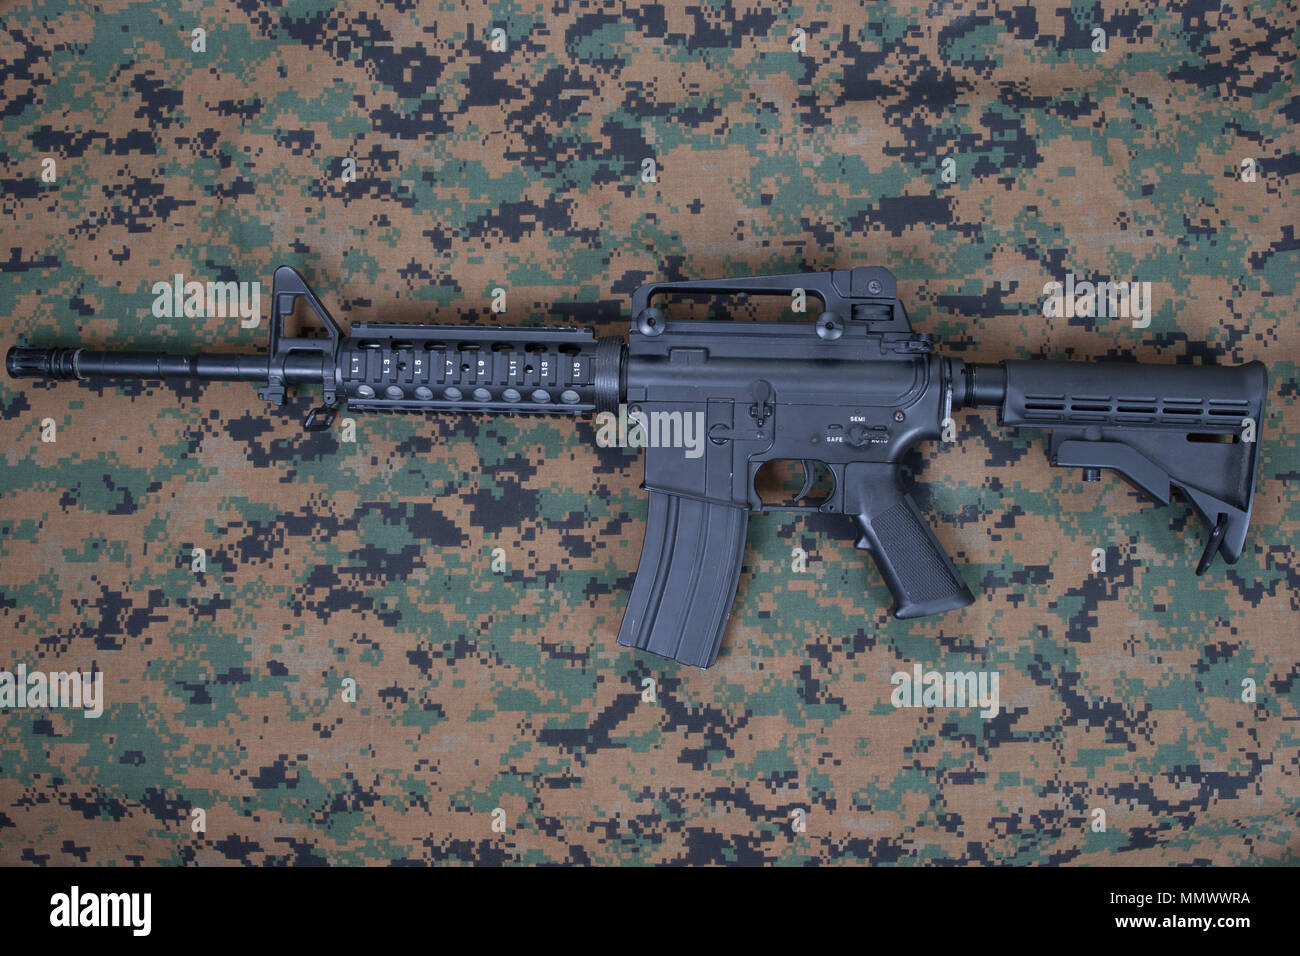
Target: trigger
[{"x": 809, "y": 479}]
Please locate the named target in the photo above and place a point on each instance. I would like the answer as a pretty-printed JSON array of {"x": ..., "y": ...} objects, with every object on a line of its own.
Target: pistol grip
[
  {"x": 686, "y": 581},
  {"x": 916, "y": 569}
]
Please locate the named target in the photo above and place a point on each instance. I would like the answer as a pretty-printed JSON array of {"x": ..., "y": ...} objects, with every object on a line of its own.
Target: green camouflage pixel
[{"x": 372, "y": 561}]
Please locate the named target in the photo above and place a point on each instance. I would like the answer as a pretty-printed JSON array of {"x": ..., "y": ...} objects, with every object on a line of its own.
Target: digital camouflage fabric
[{"x": 342, "y": 676}]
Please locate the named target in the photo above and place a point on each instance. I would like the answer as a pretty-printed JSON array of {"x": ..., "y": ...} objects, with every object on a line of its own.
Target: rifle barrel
[{"x": 65, "y": 364}]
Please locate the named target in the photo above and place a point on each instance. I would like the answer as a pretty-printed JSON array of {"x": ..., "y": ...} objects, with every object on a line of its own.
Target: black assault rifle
[{"x": 850, "y": 393}]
